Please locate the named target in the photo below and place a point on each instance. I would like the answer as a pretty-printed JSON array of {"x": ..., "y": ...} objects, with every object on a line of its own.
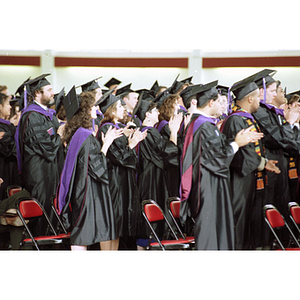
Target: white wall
[{"x": 13, "y": 76}]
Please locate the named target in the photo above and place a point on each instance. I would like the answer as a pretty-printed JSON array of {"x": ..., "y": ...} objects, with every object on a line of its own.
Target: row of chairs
[
  {"x": 28, "y": 208},
  {"x": 276, "y": 222}
]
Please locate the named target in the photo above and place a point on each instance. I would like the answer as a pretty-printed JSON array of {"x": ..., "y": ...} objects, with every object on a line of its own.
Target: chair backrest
[
  {"x": 295, "y": 211},
  {"x": 30, "y": 208},
  {"x": 274, "y": 217},
  {"x": 153, "y": 212},
  {"x": 175, "y": 208},
  {"x": 13, "y": 189}
]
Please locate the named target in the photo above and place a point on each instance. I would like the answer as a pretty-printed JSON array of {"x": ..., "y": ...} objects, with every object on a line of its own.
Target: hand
[
  {"x": 246, "y": 136},
  {"x": 60, "y": 130},
  {"x": 292, "y": 114},
  {"x": 219, "y": 124},
  {"x": 136, "y": 137},
  {"x": 271, "y": 166},
  {"x": 1, "y": 181},
  {"x": 1, "y": 134},
  {"x": 175, "y": 122},
  {"x": 109, "y": 137},
  {"x": 128, "y": 132}
]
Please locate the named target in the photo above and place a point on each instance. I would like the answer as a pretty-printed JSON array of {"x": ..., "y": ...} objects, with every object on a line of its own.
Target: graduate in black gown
[
  {"x": 169, "y": 108},
  {"x": 84, "y": 180},
  {"x": 40, "y": 152},
  {"x": 152, "y": 152},
  {"x": 122, "y": 169},
  {"x": 279, "y": 140},
  {"x": 206, "y": 157},
  {"x": 8, "y": 155},
  {"x": 248, "y": 170}
]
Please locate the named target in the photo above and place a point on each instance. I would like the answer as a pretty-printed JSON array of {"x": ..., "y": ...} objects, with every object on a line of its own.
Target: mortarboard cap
[
  {"x": 223, "y": 90},
  {"x": 188, "y": 92},
  {"x": 91, "y": 85},
  {"x": 243, "y": 88},
  {"x": 58, "y": 99},
  {"x": 290, "y": 95},
  {"x": 147, "y": 94},
  {"x": 71, "y": 103},
  {"x": 107, "y": 100},
  {"x": 206, "y": 92},
  {"x": 141, "y": 112},
  {"x": 112, "y": 81},
  {"x": 187, "y": 80},
  {"x": 159, "y": 99},
  {"x": 37, "y": 83},
  {"x": 154, "y": 87},
  {"x": 20, "y": 89},
  {"x": 121, "y": 92}
]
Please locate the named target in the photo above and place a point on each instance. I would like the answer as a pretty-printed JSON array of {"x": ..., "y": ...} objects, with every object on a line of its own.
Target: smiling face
[{"x": 131, "y": 100}]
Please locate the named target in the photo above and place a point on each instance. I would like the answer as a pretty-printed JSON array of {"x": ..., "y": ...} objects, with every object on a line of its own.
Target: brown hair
[
  {"x": 82, "y": 117},
  {"x": 108, "y": 115},
  {"x": 166, "y": 110},
  {"x": 294, "y": 99}
]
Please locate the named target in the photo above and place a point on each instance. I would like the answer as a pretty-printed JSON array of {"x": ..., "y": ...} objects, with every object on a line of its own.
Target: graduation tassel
[
  {"x": 93, "y": 125},
  {"x": 265, "y": 90},
  {"x": 25, "y": 97}
]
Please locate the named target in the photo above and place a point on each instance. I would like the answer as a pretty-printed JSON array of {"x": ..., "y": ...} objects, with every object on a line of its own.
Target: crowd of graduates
[{"x": 225, "y": 152}]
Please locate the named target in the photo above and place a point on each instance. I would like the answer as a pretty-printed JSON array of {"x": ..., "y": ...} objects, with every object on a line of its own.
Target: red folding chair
[
  {"x": 153, "y": 213},
  {"x": 174, "y": 212},
  {"x": 275, "y": 221},
  {"x": 13, "y": 189},
  {"x": 294, "y": 212},
  {"x": 29, "y": 208},
  {"x": 57, "y": 217}
]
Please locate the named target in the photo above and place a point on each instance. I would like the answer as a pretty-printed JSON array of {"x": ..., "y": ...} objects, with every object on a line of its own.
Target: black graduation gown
[
  {"x": 171, "y": 166},
  {"x": 212, "y": 209},
  {"x": 151, "y": 179},
  {"x": 279, "y": 139},
  {"x": 8, "y": 158},
  {"x": 247, "y": 201},
  {"x": 42, "y": 156},
  {"x": 91, "y": 218},
  {"x": 122, "y": 169}
]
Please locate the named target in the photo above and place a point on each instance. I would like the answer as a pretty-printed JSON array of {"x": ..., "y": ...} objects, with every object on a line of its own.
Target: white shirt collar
[{"x": 41, "y": 105}]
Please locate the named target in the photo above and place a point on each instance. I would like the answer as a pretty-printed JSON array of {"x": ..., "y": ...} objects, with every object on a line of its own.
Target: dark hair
[
  {"x": 108, "y": 115},
  {"x": 82, "y": 117},
  {"x": 14, "y": 105},
  {"x": 3, "y": 98},
  {"x": 61, "y": 114},
  {"x": 166, "y": 110},
  {"x": 295, "y": 98}
]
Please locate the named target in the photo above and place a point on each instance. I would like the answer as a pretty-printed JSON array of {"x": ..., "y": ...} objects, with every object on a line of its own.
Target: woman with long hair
[
  {"x": 83, "y": 197},
  {"x": 167, "y": 110},
  {"x": 122, "y": 168}
]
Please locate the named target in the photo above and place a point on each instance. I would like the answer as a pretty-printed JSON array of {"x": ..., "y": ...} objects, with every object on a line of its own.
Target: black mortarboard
[
  {"x": 223, "y": 90},
  {"x": 37, "y": 83},
  {"x": 188, "y": 92},
  {"x": 161, "y": 97},
  {"x": 187, "y": 80},
  {"x": 147, "y": 94},
  {"x": 266, "y": 74},
  {"x": 107, "y": 100},
  {"x": 58, "y": 99},
  {"x": 155, "y": 87},
  {"x": 175, "y": 85},
  {"x": 243, "y": 87},
  {"x": 124, "y": 90},
  {"x": 20, "y": 89},
  {"x": 290, "y": 95},
  {"x": 112, "y": 81},
  {"x": 206, "y": 92},
  {"x": 91, "y": 85},
  {"x": 71, "y": 103},
  {"x": 141, "y": 112}
]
